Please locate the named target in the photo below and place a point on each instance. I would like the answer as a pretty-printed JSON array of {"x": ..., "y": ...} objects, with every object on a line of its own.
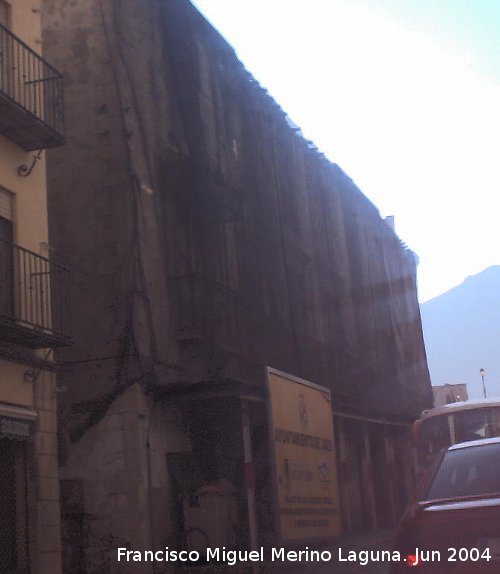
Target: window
[
  {"x": 434, "y": 435},
  {"x": 6, "y": 47},
  {"x": 6, "y": 255},
  {"x": 13, "y": 525},
  {"x": 8, "y": 517},
  {"x": 4, "y": 13},
  {"x": 468, "y": 471},
  {"x": 472, "y": 424}
]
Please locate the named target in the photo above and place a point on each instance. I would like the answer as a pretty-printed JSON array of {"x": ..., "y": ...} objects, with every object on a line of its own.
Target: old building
[
  {"x": 449, "y": 393},
  {"x": 210, "y": 240},
  {"x": 31, "y": 286}
]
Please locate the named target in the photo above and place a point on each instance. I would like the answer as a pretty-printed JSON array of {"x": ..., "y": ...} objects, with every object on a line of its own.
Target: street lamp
[{"x": 481, "y": 372}]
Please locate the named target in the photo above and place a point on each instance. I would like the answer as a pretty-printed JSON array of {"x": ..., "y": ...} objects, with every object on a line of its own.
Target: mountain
[{"x": 462, "y": 333}]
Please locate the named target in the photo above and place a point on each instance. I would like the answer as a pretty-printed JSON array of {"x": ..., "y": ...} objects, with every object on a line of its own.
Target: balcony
[
  {"x": 34, "y": 299},
  {"x": 31, "y": 96}
]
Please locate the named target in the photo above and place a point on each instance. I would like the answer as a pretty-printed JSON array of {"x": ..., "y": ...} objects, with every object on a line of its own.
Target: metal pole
[{"x": 249, "y": 472}]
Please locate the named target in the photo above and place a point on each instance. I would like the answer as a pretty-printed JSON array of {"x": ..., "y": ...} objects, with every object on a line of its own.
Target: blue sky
[{"x": 405, "y": 96}]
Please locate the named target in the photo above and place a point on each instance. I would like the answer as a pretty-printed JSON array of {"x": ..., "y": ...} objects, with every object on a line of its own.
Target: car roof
[
  {"x": 472, "y": 443},
  {"x": 460, "y": 406}
]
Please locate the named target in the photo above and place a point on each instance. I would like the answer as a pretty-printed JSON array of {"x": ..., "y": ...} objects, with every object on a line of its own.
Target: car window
[
  {"x": 467, "y": 472},
  {"x": 434, "y": 434},
  {"x": 473, "y": 425}
]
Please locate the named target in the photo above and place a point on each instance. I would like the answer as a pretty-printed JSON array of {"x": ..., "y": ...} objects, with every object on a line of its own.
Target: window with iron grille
[
  {"x": 31, "y": 92},
  {"x": 34, "y": 290}
]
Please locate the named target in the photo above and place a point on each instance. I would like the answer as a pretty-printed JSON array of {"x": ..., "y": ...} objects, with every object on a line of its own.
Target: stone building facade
[
  {"x": 210, "y": 240},
  {"x": 32, "y": 287},
  {"x": 449, "y": 393}
]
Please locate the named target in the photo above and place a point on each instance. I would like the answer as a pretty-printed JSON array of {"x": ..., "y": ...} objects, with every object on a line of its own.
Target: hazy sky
[{"x": 405, "y": 96}]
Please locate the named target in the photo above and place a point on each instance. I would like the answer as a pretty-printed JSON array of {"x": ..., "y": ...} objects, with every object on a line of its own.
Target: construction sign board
[{"x": 303, "y": 449}]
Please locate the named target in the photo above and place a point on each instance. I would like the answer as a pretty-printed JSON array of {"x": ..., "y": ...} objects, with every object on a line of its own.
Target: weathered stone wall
[
  {"x": 218, "y": 241},
  {"x": 310, "y": 279},
  {"x": 105, "y": 489},
  {"x": 209, "y": 239},
  {"x": 90, "y": 216},
  {"x": 116, "y": 487}
]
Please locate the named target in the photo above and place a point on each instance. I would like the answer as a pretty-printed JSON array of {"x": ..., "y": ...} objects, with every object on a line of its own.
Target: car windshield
[{"x": 470, "y": 471}]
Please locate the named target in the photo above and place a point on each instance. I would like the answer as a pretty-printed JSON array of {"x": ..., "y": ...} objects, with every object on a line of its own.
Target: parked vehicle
[
  {"x": 457, "y": 422},
  {"x": 452, "y": 525}
]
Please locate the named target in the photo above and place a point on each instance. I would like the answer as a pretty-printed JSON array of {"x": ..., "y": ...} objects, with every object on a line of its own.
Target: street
[{"x": 354, "y": 555}]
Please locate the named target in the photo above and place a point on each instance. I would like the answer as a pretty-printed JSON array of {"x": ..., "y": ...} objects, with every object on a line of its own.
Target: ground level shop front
[
  {"x": 215, "y": 466},
  {"x": 29, "y": 480}
]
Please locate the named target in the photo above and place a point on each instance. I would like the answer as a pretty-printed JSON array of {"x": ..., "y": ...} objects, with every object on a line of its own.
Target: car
[{"x": 452, "y": 525}]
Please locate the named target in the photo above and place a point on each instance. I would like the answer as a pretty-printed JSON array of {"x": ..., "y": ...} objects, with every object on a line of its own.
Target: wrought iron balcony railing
[
  {"x": 31, "y": 96},
  {"x": 34, "y": 299}
]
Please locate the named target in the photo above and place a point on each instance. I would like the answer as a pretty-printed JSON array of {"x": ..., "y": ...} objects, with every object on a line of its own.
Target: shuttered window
[
  {"x": 6, "y": 257},
  {"x": 4, "y": 13},
  {"x": 6, "y": 204}
]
